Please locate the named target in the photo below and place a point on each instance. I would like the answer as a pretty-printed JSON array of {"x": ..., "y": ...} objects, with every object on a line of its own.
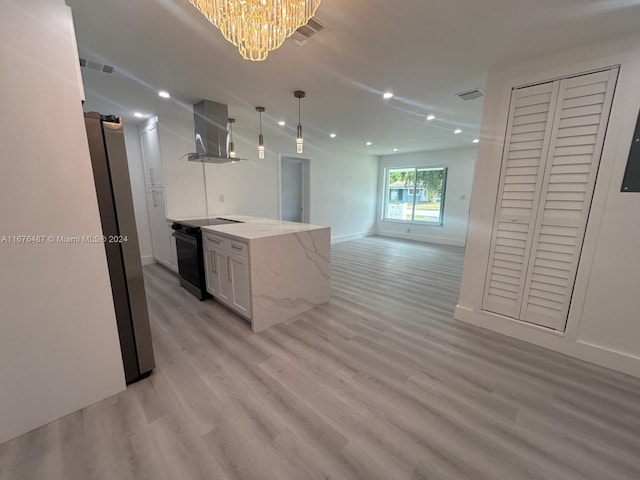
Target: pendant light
[
  {"x": 232, "y": 147},
  {"x": 260, "y": 137},
  {"x": 299, "y": 94}
]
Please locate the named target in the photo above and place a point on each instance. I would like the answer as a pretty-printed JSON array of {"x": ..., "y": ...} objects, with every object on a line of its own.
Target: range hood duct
[{"x": 212, "y": 136}]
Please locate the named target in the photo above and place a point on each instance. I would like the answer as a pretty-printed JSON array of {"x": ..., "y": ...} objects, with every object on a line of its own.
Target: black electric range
[{"x": 190, "y": 256}]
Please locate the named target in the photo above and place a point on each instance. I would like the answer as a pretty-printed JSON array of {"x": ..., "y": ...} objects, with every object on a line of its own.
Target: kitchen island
[{"x": 267, "y": 270}]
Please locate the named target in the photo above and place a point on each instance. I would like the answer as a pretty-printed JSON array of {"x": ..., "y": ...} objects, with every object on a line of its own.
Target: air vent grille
[
  {"x": 90, "y": 64},
  {"x": 471, "y": 94},
  {"x": 305, "y": 32}
]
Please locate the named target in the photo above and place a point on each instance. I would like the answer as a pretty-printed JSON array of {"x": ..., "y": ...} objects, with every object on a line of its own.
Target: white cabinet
[
  {"x": 552, "y": 152},
  {"x": 212, "y": 258},
  {"x": 164, "y": 248},
  {"x": 264, "y": 274},
  {"x": 150, "y": 145},
  {"x": 174, "y": 250},
  {"x": 240, "y": 291},
  {"x": 227, "y": 272},
  {"x": 161, "y": 239}
]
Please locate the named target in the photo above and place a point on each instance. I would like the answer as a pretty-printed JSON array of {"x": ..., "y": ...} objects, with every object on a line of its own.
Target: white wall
[
  {"x": 138, "y": 190},
  {"x": 182, "y": 180},
  {"x": 604, "y": 320},
  {"x": 343, "y": 185},
  {"x": 59, "y": 348},
  {"x": 460, "y": 164}
]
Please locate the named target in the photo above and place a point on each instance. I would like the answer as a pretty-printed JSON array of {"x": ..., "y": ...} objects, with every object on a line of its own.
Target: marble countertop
[{"x": 256, "y": 227}]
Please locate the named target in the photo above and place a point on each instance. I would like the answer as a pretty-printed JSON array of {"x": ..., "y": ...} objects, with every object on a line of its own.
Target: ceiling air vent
[
  {"x": 471, "y": 94},
  {"x": 305, "y": 32},
  {"x": 90, "y": 64}
]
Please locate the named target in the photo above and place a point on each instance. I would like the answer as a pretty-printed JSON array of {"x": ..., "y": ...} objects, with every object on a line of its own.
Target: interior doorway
[{"x": 294, "y": 189}]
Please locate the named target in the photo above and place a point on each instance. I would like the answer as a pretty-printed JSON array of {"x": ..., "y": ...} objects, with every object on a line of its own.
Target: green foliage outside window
[{"x": 415, "y": 194}]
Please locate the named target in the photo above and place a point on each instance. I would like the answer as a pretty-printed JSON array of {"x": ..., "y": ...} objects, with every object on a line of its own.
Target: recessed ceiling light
[
  {"x": 431, "y": 117},
  {"x": 332, "y": 135},
  {"x": 282, "y": 123},
  {"x": 387, "y": 95},
  {"x": 369, "y": 144},
  {"x": 138, "y": 114},
  {"x": 476, "y": 140},
  {"x": 395, "y": 149},
  {"x": 164, "y": 94},
  {"x": 457, "y": 131}
]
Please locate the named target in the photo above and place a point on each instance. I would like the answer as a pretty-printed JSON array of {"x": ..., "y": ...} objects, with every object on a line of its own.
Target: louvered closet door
[
  {"x": 526, "y": 148},
  {"x": 579, "y": 127}
]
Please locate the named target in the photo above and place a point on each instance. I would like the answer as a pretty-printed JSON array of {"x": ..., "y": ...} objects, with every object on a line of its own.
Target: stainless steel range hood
[{"x": 212, "y": 136}]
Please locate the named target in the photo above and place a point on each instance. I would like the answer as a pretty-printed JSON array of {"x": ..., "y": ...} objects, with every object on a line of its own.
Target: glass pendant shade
[
  {"x": 257, "y": 27},
  {"x": 260, "y": 146},
  {"x": 260, "y": 110},
  {"x": 299, "y": 94},
  {"x": 299, "y": 141},
  {"x": 232, "y": 147}
]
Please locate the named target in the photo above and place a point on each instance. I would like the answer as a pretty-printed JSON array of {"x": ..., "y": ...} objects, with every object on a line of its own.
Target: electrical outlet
[
  {"x": 463, "y": 197},
  {"x": 222, "y": 198},
  {"x": 408, "y": 230}
]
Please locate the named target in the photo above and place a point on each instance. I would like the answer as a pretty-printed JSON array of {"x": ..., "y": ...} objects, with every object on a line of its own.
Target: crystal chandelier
[{"x": 257, "y": 26}]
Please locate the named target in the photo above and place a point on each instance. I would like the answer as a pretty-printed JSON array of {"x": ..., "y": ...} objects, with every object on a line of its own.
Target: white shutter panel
[
  {"x": 579, "y": 127},
  {"x": 526, "y": 148}
]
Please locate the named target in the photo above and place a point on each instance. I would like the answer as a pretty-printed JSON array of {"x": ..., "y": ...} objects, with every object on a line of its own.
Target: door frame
[{"x": 306, "y": 202}]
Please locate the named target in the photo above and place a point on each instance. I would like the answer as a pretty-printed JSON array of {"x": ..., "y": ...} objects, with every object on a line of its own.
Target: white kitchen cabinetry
[
  {"x": 240, "y": 291},
  {"x": 150, "y": 144},
  {"x": 160, "y": 229},
  {"x": 268, "y": 271},
  {"x": 213, "y": 260},
  {"x": 174, "y": 249},
  {"x": 164, "y": 248},
  {"x": 552, "y": 152},
  {"x": 227, "y": 272}
]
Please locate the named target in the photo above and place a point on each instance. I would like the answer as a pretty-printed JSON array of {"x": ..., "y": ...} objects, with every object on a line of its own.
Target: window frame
[{"x": 386, "y": 190}]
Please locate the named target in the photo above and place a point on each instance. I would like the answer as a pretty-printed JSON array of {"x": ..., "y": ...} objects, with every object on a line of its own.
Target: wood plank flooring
[{"x": 380, "y": 383}]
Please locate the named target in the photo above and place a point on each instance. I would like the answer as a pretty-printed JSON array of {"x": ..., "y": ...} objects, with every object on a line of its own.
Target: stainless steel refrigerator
[{"x": 115, "y": 201}]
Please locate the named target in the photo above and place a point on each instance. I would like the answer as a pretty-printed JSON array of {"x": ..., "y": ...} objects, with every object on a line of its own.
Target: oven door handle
[{"x": 185, "y": 238}]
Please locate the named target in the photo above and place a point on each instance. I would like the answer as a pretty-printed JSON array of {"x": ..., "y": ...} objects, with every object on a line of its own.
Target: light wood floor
[{"x": 380, "y": 383}]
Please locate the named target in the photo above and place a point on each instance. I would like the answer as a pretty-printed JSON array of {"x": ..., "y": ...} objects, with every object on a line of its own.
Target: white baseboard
[
  {"x": 352, "y": 236},
  {"x": 148, "y": 260},
  {"x": 422, "y": 238},
  {"x": 167, "y": 265},
  {"x": 550, "y": 339}
]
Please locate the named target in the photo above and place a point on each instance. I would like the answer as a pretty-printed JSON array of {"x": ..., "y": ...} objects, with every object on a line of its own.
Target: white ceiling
[{"x": 423, "y": 51}]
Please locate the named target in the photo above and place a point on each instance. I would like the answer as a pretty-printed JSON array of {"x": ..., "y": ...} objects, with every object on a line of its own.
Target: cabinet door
[
  {"x": 174, "y": 251},
  {"x": 150, "y": 144},
  {"x": 581, "y": 119},
  {"x": 525, "y": 153},
  {"x": 240, "y": 286},
  {"x": 160, "y": 229},
  {"x": 224, "y": 275},
  {"x": 212, "y": 269}
]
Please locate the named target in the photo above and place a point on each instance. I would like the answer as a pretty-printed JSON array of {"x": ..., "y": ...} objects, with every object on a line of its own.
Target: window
[{"x": 426, "y": 206}]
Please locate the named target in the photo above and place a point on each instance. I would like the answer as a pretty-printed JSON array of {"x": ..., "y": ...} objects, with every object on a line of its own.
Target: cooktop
[{"x": 204, "y": 222}]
